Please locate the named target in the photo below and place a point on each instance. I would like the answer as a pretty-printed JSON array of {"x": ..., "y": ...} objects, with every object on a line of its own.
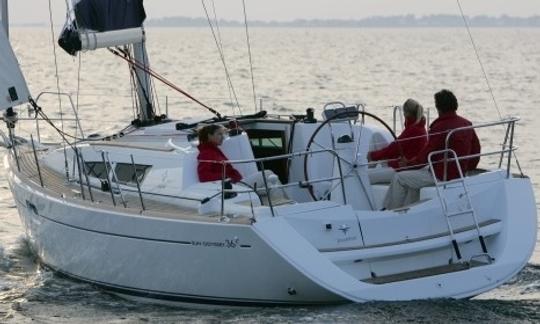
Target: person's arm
[
  {"x": 389, "y": 152},
  {"x": 233, "y": 174},
  {"x": 393, "y": 151}
]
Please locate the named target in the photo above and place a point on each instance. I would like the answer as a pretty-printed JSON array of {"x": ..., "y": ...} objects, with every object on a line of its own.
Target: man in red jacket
[
  {"x": 210, "y": 137},
  {"x": 406, "y": 185}
]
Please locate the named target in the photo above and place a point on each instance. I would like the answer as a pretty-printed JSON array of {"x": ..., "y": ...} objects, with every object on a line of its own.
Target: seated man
[
  {"x": 408, "y": 144},
  {"x": 406, "y": 185},
  {"x": 210, "y": 137}
]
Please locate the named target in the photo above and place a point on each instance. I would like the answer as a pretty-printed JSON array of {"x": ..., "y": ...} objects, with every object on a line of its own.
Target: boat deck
[{"x": 56, "y": 184}]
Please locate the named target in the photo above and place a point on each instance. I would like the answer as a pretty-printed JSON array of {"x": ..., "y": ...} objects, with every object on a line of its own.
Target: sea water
[{"x": 293, "y": 69}]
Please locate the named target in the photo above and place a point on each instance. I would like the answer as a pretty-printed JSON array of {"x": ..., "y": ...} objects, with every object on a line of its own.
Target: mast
[
  {"x": 5, "y": 16},
  {"x": 144, "y": 85},
  {"x": 99, "y": 24}
]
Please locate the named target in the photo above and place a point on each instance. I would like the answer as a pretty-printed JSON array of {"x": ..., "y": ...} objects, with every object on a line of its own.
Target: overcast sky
[{"x": 36, "y": 11}]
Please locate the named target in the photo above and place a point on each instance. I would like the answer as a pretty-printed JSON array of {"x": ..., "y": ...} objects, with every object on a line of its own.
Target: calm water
[{"x": 294, "y": 69}]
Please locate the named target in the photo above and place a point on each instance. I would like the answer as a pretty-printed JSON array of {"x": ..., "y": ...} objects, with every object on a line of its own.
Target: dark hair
[
  {"x": 207, "y": 131},
  {"x": 446, "y": 101}
]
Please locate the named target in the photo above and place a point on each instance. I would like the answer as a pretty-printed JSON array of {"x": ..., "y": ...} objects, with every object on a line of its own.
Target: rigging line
[
  {"x": 133, "y": 85},
  {"x": 483, "y": 70},
  {"x": 147, "y": 79},
  {"x": 65, "y": 135},
  {"x": 219, "y": 45},
  {"x": 221, "y": 55},
  {"x": 53, "y": 37},
  {"x": 228, "y": 80},
  {"x": 478, "y": 57},
  {"x": 77, "y": 98},
  {"x": 155, "y": 96},
  {"x": 250, "y": 56},
  {"x": 138, "y": 80},
  {"x": 165, "y": 81},
  {"x": 44, "y": 116}
]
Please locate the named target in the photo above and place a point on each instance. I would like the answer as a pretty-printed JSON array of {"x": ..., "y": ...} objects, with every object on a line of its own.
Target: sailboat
[{"x": 128, "y": 213}]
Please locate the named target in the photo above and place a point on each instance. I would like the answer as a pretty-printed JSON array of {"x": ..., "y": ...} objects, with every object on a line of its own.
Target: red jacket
[
  {"x": 214, "y": 171},
  {"x": 463, "y": 142},
  {"x": 411, "y": 141}
]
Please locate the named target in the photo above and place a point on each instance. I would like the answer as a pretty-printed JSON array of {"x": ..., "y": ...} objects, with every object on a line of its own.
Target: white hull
[
  {"x": 240, "y": 264},
  {"x": 326, "y": 239},
  {"x": 165, "y": 259},
  {"x": 511, "y": 243}
]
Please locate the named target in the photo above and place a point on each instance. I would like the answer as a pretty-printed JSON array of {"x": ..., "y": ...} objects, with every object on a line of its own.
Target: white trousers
[
  {"x": 405, "y": 187},
  {"x": 256, "y": 180}
]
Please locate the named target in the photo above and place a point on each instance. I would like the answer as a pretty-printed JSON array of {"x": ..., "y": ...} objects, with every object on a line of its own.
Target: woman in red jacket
[
  {"x": 409, "y": 143},
  {"x": 210, "y": 137}
]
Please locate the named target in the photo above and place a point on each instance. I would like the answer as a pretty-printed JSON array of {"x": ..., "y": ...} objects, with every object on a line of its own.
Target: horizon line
[{"x": 376, "y": 21}]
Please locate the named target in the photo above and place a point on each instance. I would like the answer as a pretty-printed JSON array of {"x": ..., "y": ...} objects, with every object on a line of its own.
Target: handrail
[
  {"x": 509, "y": 150},
  {"x": 260, "y": 162},
  {"x": 115, "y": 178},
  {"x": 484, "y": 125},
  {"x": 335, "y": 152},
  {"x": 510, "y": 121},
  {"x": 444, "y": 205},
  {"x": 271, "y": 158},
  {"x": 65, "y": 94}
]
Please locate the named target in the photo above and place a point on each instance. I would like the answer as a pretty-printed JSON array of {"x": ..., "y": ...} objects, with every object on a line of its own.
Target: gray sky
[{"x": 36, "y": 11}]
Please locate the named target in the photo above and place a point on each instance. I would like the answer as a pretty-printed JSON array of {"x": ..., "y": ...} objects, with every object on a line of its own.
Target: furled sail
[
  {"x": 103, "y": 23},
  {"x": 108, "y": 15},
  {"x": 13, "y": 88}
]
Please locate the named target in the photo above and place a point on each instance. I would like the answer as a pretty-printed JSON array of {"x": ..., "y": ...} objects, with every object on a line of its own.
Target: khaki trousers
[{"x": 405, "y": 187}]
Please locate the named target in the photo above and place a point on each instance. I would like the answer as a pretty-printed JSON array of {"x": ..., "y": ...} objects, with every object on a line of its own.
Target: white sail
[{"x": 13, "y": 88}]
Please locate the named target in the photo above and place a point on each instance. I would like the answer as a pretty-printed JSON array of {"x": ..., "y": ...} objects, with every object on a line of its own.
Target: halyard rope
[
  {"x": 250, "y": 56},
  {"x": 221, "y": 54},
  {"x": 53, "y": 37},
  {"x": 466, "y": 22}
]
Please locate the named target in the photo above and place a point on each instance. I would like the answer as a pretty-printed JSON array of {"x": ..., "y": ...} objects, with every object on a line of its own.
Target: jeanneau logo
[{"x": 344, "y": 229}]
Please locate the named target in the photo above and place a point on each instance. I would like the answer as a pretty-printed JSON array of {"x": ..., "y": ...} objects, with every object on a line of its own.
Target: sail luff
[
  {"x": 13, "y": 88},
  {"x": 4, "y": 15}
]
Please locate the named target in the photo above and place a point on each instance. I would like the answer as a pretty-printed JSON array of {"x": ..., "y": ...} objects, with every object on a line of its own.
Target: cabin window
[
  {"x": 269, "y": 142},
  {"x": 126, "y": 173},
  {"x": 97, "y": 169}
]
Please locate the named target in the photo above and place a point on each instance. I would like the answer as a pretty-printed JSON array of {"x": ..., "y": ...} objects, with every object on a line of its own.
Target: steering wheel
[{"x": 321, "y": 126}]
